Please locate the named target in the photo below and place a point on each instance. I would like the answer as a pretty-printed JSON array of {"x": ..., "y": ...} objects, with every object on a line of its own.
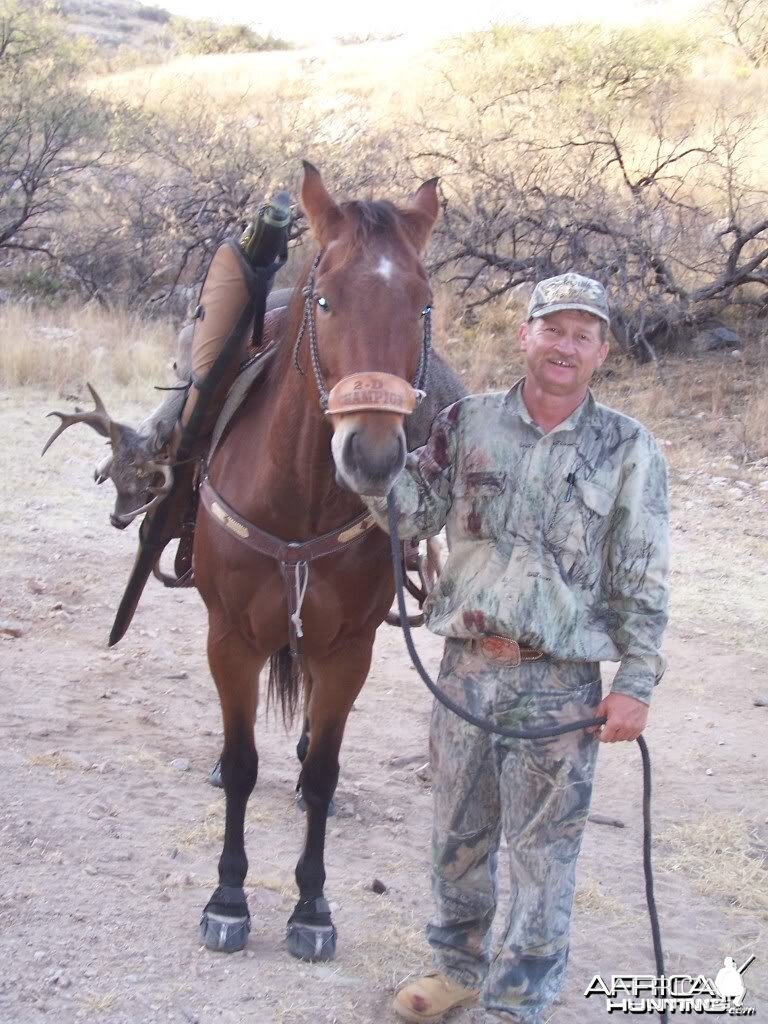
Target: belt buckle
[{"x": 500, "y": 648}]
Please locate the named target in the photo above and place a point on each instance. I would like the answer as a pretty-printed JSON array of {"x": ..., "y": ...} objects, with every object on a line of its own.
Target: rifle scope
[{"x": 265, "y": 238}]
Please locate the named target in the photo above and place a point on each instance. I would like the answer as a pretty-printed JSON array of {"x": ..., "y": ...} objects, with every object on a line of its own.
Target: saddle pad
[{"x": 253, "y": 370}]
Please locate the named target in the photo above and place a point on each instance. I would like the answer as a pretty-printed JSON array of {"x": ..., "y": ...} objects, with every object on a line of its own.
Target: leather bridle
[{"x": 366, "y": 390}]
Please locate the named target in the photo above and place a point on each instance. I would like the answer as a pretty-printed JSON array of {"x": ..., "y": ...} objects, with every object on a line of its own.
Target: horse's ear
[
  {"x": 322, "y": 212},
  {"x": 420, "y": 215}
]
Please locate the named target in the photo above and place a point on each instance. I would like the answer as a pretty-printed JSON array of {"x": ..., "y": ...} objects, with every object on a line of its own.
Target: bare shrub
[
  {"x": 158, "y": 14},
  {"x": 560, "y": 148},
  {"x": 746, "y": 27},
  {"x": 635, "y": 189},
  {"x": 51, "y": 131},
  {"x": 142, "y": 232},
  {"x": 198, "y": 36}
]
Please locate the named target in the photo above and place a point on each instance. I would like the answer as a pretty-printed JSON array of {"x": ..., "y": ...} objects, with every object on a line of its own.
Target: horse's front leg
[
  {"x": 301, "y": 752},
  {"x": 235, "y": 667},
  {"x": 336, "y": 681}
]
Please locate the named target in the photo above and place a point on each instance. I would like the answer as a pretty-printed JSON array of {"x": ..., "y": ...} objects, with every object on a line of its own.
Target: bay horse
[{"x": 305, "y": 444}]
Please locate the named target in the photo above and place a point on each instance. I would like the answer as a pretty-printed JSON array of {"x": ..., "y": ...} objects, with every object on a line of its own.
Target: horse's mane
[
  {"x": 371, "y": 218},
  {"x": 368, "y": 219}
]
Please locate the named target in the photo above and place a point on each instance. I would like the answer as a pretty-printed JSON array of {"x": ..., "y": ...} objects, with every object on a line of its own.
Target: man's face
[{"x": 563, "y": 350}]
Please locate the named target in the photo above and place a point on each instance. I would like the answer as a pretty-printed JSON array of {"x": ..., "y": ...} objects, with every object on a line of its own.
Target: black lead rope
[{"x": 531, "y": 734}]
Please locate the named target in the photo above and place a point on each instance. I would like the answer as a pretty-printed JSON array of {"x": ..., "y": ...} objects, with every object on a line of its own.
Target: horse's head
[{"x": 367, "y": 314}]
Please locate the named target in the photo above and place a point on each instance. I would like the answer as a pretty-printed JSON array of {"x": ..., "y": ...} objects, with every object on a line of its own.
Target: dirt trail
[{"x": 109, "y": 833}]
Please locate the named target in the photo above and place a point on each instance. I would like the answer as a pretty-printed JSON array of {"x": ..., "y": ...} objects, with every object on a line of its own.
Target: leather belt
[{"x": 505, "y": 651}]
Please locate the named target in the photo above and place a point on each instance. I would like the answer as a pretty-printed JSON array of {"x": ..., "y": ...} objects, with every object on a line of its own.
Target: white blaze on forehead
[{"x": 384, "y": 268}]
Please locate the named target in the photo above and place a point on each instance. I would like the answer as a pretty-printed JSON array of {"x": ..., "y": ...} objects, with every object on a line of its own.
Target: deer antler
[{"x": 98, "y": 418}]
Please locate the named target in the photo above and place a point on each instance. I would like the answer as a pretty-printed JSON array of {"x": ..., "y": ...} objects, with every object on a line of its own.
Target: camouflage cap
[{"x": 569, "y": 291}]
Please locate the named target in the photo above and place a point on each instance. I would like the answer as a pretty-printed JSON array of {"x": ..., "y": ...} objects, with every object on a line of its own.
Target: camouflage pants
[{"x": 538, "y": 793}]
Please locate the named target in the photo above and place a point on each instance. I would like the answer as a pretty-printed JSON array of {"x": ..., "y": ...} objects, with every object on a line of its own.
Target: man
[{"x": 556, "y": 514}]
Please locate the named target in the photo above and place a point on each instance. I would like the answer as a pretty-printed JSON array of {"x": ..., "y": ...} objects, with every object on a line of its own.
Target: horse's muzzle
[{"x": 368, "y": 462}]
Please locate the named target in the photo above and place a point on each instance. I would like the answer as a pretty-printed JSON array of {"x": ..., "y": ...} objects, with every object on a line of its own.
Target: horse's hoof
[
  {"x": 302, "y": 806},
  {"x": 215, "y": 778},
  {"x": 311, "y": 941},
  {"x": 224, "y": 934}
]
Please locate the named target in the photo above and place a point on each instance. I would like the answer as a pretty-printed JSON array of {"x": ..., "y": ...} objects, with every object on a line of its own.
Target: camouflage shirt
[{"x": 557, "y": 540}]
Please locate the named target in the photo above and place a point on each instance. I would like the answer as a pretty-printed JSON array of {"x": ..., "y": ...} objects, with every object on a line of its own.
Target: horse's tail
[{"x": 286, "y": 683}]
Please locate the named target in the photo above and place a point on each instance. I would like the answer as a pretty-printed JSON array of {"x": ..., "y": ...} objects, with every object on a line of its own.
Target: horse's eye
[
  {"x": 322, "y": 303},
  {"x": 426, "y": 311}
]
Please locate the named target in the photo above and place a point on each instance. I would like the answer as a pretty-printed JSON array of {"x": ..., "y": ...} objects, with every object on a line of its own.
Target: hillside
[
  {"x": 127, "y": 33},
  {"x": 634, "y": 152},
  {"x": 115, "y": 23},
  {"x": 381, "y": 76}
]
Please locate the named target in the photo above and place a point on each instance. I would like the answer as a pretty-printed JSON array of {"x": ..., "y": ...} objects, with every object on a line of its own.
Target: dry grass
[
  {"x": 149, "y": 761},
  {"x": 591, "y": 898},
  {"x": 55, "y": 761},
  {"x": 209, "y": 830},
  {"x": 99, "y": 1004},
  {"x": 294, "y": 1013},
  {"x": 61, "y": 349},
  {"x": 286, "y": 888},
  {"x": 716, "y": 403},
  {"x": 332, "y": 77},
  {"x": 391, "y": 940},
  {"x": 724, "y": 858}
]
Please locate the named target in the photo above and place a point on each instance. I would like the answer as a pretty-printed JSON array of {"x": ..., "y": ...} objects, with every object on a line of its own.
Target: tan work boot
[{"x": 428, "y": 998}]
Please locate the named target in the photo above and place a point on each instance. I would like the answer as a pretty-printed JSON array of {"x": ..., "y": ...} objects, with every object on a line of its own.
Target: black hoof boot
[
  {"x": 215, "y": 778},
  {"x": 302, "y": 806},
  {"x": 311, "y": 934},
  {"x": 226, "y": 921}
]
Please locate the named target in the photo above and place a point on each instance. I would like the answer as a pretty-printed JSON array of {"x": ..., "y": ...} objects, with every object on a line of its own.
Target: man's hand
[{"x": 627, "y": 717}]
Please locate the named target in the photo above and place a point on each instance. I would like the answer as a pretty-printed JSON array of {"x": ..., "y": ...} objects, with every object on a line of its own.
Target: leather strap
[
  {"x": 265, "y": 543},
  {"x": 293, "y": 557},
  {"x": 249, "y": 374},
  {"x": 372, "y": 392}
]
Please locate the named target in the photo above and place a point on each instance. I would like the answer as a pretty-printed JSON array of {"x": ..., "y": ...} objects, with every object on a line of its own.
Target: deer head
[{"x": 142, "y": 476}]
